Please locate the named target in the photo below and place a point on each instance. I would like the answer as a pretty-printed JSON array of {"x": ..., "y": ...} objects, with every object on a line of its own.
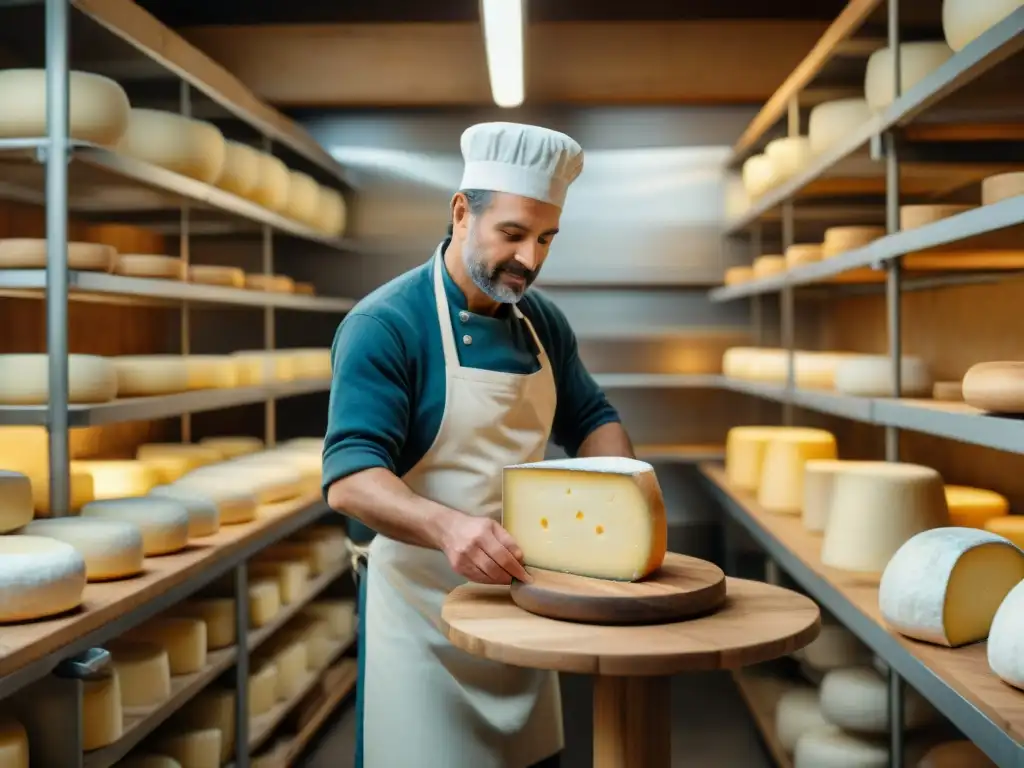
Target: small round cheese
[
  {"x": 16, "y": 504},
  {"x": 262, "y": 687},
  {"x": 163, "y": 522},
  {"x": 150, "y": 375},
  {"x": 789, "y": 155},
  {"x": 198, "y": 748},
  {"x": 917, "y": 61},
  {"x": 102, "y": 714},
  {"x": 271, "y": 190},
  {"x": 150, "y": 266},
  {"x": 98, "y": 107},
  {"x": 241, "y": 169},
  {"x": 183, "y": 637},
  {"x": 765, "y": 266},
  {"x": 218, "y": 613},
  {"x": 303, "y": 198},
  {"x": 29, "y": 253},
  {"x": 831, "y": 121},
  {"x": 797, "y": 713},
  {"x": 39, "y": 577},
  {"x": 856, "y": 699},
  {"x": 871, "y": 376},
  {"x": 758, "y": 175},
  {"x": 842, "y": 239},
  {"x": 144, "y": 671},
  {"x": 115, "y": 478},
  {"x": 340, "y": 616},
  {"x": 913, "y": 216},
  {"x": 112, "y": 549},
  {"x": 1010, "y": 527},
  {"x": 332, "y": 214},
  {"x": 184, "y": 145},
  {"x": 736, "y": 275},
  {"x": 203, "y": 514},
  {"x": 973, "y": 507},
  {"x": 232, "y": 446},
  {"x": 781, "y": 489},
  {"x": 1002, "y": 186},
  {"x": 955, "y": 754},
  {"x": 803, "y": 253},
  {"x": 1006, "y": 639},
  {"x": 25, "y": 379},
  {"x": 13, "y": 743},
  {"x": 965, "y": 20},
  {"x": 232, "y": 277},
  {"x": 996, "y": 386},
  {"x": 835, "y": 647},
  {"x": 264, "y": 601}
]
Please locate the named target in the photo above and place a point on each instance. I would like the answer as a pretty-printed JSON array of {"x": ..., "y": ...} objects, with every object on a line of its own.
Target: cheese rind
[
  {"x": 234, "y": 505},
  {"x": 842, "y": 239},
  {"x": 24, "y": 379},
  {"x": 16, "y": 504},
  {"x": 758, "y": 175},
  {"x": 819, "y": 490},
  {"x": 943, "y": 586},
  {"x": 835, "y": 748},
  {"x": 184, "y": 639},
  {"x": 102, "y": 715},
  {"x": 602, "y": 517},
  {"x": 113, "y": 478},
  {"x": 830, "y": 121},
  {"x": 855, "y": 699},
  {"x": 203, "y": 514},
  {"x": 766, "y": 266},
  {"x": 789, "y": 155},
  {"x": 195, "y": 748},
  {"x": 973, "y": 507},
  {"x": 1006, "y": 639},
  {"x": 163, "y": 522},
  {"x": 214, "y": 708},
  {"x": 262, "y": 687},
  {"x": 264, "y": 601},
  {"x": 233, "y": 446},
  {"x": 150, "y": 375},
  {"x": 39, "y": 577},
  {"x": 913, "y": 216},
  {"x": 797, "y": 713},
  {"x": 340, "y": 616},
  {"x": 181, "y": 144},
  {"x": 736, "y": 275},
  {"x": 803, "y": 253},
  {"x": 292, "y": 577},
  {"x": 781, "y": 489},
  {"x": 240, "y": 170},
  {"x": 112, "y": 549},
  {"x": 744, "y": 454},
  {"x": 144, "y": 672}
]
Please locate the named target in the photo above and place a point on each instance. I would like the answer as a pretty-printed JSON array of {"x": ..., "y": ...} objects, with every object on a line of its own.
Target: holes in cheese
[
  {"x": 943, "y": 586},
  {"x": 1010, "y": 527},
  {"x": 781, "y": 489},
  {"x": 855, "y": 699},
  {"x": 973, "y": 507},
  {"x": 16, "y": 504},
  {"x": 184, "y": 145},
  {"x": 797, "y": 713},
  {"x": 114, "y": 478},
  {"x": 230, "y": 446},
  {"x": 144, "y": 672},
  {"x": 13, "y": 743},
  {"x": 996, "y": 386},
  {"x": 39, "y": 577},
  {"x": 623, "y": 535},
  {"x": 877, "y": 506},
  {"x": 112, "y": 549},
  {"x": 871, "y": 376},
  {"x": 203, "y": 514},
  {"x": 830, "y": 121},
  {"x": 163, "y": 522},
  {"x": 744, "y": 455},
  {"x": 219, "y": 615},
  {"x": 150, "y": 375},
  {"x": 917, "y": 61},
  {"x": 956, "y": 754},
  {"x": 1006, "y": 638},
  {"x": 24, "y": 379},
  {"x": 198, "y": 748},
  {"x": 184, "y": 639},
  {"x": 102, "y": 714}
]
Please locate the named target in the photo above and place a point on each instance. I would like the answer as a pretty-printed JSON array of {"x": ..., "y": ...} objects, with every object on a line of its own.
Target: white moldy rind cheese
[
  {"x": 203, "y": 515},
  {"x": 163, "y": 522},
  {"x": 1006, "y": 639},
  {"x": 834, "y": 748},
  {"x": 855, "y": 699},
  {"x": 965, "y": 20},
  {"x": 198, "y": 748},
  {"x": 144, "y": 671},
  {"x": 602, "y": 517},
  {"x": 797, "y": 713},
  {"x": 955, "y": 754},
  {"x": 112, "y": 549},
  {"x": 16, "y": 505},
  {"x": 744, "y": 455},
  {"x": 183, "y": 637},
  {"x": 973, "y": 507},
  {"x": 39, "y": 577},
  {"x": 102, "y": 715},
  {"x": 944, "y": 585},
  {"x": 13, "y": 743},
  {"x": 24, "y": 379},
  {"x": 781, "y": 489},
  {"x": 871, "y": 376}
]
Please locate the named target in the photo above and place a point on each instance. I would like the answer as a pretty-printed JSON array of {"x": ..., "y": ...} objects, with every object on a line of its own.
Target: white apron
[{"x": 427, "y": 703}]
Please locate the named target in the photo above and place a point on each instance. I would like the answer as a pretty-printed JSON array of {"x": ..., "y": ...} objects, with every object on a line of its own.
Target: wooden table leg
[{"x": 632, "y": 722}]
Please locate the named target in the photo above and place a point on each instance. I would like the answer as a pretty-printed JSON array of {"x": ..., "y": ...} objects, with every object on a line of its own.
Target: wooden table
[{"x": 633, "y": 665}]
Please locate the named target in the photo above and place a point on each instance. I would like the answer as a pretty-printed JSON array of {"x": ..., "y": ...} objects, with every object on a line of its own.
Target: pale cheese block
[
  {"x": 835, "y": 647},
  {"x": 151, "y": 266},
  {"x": 25, "y": 379},
  {"x": 789, "y": 155},
  {"x": 264, "y": 601},
  {"x": 16, "y": 503},
  {"x": 737, "y": 275},
  {"x": 819, "y": 490},
  {"x": 117, "y": 478},
  {"x": 211, "y": 372},
  {"x": 262, "y": 687},
  {"x": 914, "y": 216},
  {"x": 144, "y": 672},
  {"x": 1002, "y": 186},
  {"x": 102, "y": 713},
  {"x": 816, "y": 370},
  {"x": 235, "y": 505},
  {"x": 1006, "y": 639},
  {"x": 268, "y": 483},
  {"x": 871, "y": 376},
  {"x": 744, "y": 455},
  {"x": 996, "y": 386},
  {"x": 39, "y": 577},
  {"x": 803, "y": 253},
  {"x": 955, "y": 754},
  {"x": 150, "y": 375},
  {"x": 303, "y": 198},
  {"x": 218, "y": 613},
  {"x": 291, "y": 660},
  {"x": 169, "y": 468},
  {"x": 183, "y": 637},
  {"x": 781, "y": 489},
  {"x": 856, "y": 699},
  {"x": 292, "y": 577},
  {"x": 835, "y": 748},
  {"x": 973, "y": 507},
  {"x": 917, "y": 61},
  {"x": 29, "y": 253},
  {"x": 13, "y": 743},
  {"x": 602, "y": 517},
  {"x": 214, "y": 708},
  {"x": 948, "y": 391},
  {"x": 98, "y": 108},
  {"x": 81, "y": 491},
  {"x": 758, "y": 175},
  {"x": 207, "y": 274},
  {"x": 273, "y": 283},
  {"x": 193, "y": 148},
  {"x": 112, "y": 549},
  {"x": 965, "y": 20},
  {"x": 142, "y": 760},
  {"x": 272, "y": 183},
  {"x": 842, "y": 239},
  {"x": 233, "y": 446},
  {"x": 766, "y": 266},
  {"x": 831, "y": 121},
  {"x": 797, "y": 713},
  {"x": 241, "y": 169},
  {"x": 878, "y": 506},
  {"x": 198, "y": 748},
  {"x": 163, "y": 522},
  {"x": 198, "y": 455},
  {"x": 332, "y": 212},
  {"x": 203, "y": 513},
  {"x": 1010, "y": 527}
]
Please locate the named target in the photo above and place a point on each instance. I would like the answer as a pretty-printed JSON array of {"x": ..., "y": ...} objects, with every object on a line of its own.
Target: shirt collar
[{"x": 455, "y": 295}]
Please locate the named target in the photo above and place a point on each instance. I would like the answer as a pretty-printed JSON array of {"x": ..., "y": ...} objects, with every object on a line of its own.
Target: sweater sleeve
[{"x": 370, "y": 400}]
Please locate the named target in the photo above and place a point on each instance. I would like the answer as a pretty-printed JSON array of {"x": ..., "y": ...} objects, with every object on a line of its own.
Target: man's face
[{"x": 505, "y": 245}]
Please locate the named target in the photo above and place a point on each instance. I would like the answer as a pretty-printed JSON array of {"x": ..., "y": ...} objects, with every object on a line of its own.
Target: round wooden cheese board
[{"x": 683, "y": 587}]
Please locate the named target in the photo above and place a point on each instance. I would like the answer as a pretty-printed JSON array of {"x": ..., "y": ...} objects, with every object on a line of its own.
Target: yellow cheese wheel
[
  {"x": 211, "y": 372},
  {"x": 332, "y": 214},
  {"x": 276, "y": 283},
  {"x": 191, "y": 147},
  {"x": 25, "y": 379},
  {"x": 744, "y": 455},
  {"x": 147, "y": 265},
  {"x": 116, "y": 478},
  {"x": 788, "y": 155},
  {"x": 29, "y": 253},
  {"x": 973, "y": 507},
  {"x": 841, "y": 239},
  {"x": 1009, "y": 527},
  {"x": 150, "y": 375},
  {"x": 803, "y": 253},
  {"x": 271, "y": 190},
  {"x": 913, "y": 216},
  {"x": 241, "y": 169},
  {"x": 765, "y": 266},
  {"x": 232, "y": 446},
  {"x": 231, "y": 277},
  {"x": 736, "y": 275},
  {"x": 303, "y": 198},
  {"x": 781, "y": 489}
]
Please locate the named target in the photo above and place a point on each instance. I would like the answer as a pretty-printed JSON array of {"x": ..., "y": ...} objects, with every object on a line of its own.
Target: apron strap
[{"x": 451, "y": 354}]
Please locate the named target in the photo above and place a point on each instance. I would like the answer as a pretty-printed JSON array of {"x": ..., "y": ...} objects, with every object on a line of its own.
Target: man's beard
[{"x": 489, "y": 280}]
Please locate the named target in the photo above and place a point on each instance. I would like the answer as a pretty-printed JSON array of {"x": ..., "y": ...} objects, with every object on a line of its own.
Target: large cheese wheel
[
  {"x": 819, "y": 490},
  {"x": 218, "y": 613},
  {"x": 203, "y": 513},
  {"x": 1010, "y": 527},
  {"x": 211, "y": 372},
  {"x": 102, "y": 713},
  {"x": 144, "y": 670},
  {"x": 973, "y": 507},
  {"x": 25, "y": 379},
  {"x": 183, "y": 637},
  {"x": 913, "y": 216},
  {"x": 163, "y": 522},
  {"x": 234, "y": 504},
  {"x": 292, "y": 577},
  {"x": 151, "y": 266},
  {"x": 803, "y": 253},
  {"x": 955, "y": 754},
  {"x": 207, "y": 274},
  {"x": 1006, "y": 638},
  {"x": 150, "y": 375},
  {"x": 871, "y": 376},
  {"x": 1002, "y": 186},
  {"x": 214, "y": 708},
  {"x": 16, "y": 505},
  {"x": 270, "y": 484},
  {"x": 303, "y": 198},
  {"x": 842, "y": 239},
  {"x": 831, "y": 121},
  {"x": 112, "y": 549},
  {"x": 233, "y": 446},
  {"x": 788, "y": 155},
  {"x": 194, "y": 748},
  {"x": 744, "y": 455},
  {"x": 39, "y": 577},
  {"x": 758, "y": 175},
  {"x": 30, "y": 253},
  {"x": 836, "y": 748},
  {"x": 332, "y": 214},
  {"x": 262, "y": 687},
  {"x": 13, "y": 743},
  {"x": 816, "y": 370},
  {"x": 736, "y": 275},
  {"x": 766, "y": 266},
  {"x": 917, "y": 61},
  {"x": 944, "y": 585},
  {"x": 736, "y": 361},
  {"x": 855, "y": 699},
  {"x": 797, "y": 713},
  {"x": 996, "y": 386},
  {"x": 191, "y": 147},
  {"x": 241, "y": 169},
  {"x": 116, "y": 478},
  {"x": 781, "y": 489},
  {"x": 965, "y": 20},
  {"x": 271, "y": 190},
  {"x": 876, "y": 507},
  {"x": 98, "y": 107},
  {"x": 80, "y": 493}
]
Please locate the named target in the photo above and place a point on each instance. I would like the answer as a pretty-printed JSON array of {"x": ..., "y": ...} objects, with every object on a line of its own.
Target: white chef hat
[{"x": 520, "y": 159}]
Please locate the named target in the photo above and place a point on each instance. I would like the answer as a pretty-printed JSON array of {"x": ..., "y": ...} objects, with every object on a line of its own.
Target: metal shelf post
[{"x": 242, "y": 666}]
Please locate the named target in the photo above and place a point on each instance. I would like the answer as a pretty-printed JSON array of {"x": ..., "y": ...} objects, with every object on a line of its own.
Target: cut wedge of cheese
[
  {"x": 1010, "y": 527},
  {"x": 181, "y": 144},
  {"x": 115, "y": 478},
  {"x": 203, "y": 513},
  {"x": 781, "y": 489},
  {"x": 956, "y": 754},
  {"x": 24, "y": 379},
  {"x": 144, "y": 672},
  {"x": 744, "y": 455},
  {"x": 16, "y": 503},
  {"x": 917, "y": 61},
  {"x": 1006, "y": 638},
  {"x": 1002, "y": 186},
  {"x": 102, "y": 714},
  {"x": 163, "y": 522},
  {"x": 112, "y": 549},
  {"x": 943, "y": 586},
  {"x": 39, "y": 577},
  {"x": 602, "y": 517},
  {"x": 996, "y": 386},
  {"x": 973, "y": 507},
  {"x": 797, "y": 713},
  {"x": 183, "y": 637},
  {"x": 218, "y": 613},
  {"x": 877, "y": 506},
  {"x": 856, "y": 699},
  {"x": 27, "y": 253},
  {"x": 871, "y": 376}
]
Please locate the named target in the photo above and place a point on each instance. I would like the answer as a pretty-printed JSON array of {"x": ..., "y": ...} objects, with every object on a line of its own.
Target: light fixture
[{"x": 503, "y": 40}]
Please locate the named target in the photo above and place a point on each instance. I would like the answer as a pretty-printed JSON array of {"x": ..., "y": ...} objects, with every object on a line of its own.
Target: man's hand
[{"x": 482, "y": 551}]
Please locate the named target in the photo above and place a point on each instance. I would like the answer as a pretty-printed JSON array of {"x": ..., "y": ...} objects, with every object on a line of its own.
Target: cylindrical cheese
[
  {"x": 736, "y": 275},
  {"x": 203, "y": 513},
  {"x": 1010, "y": 527},
  {"x": 1002, "y": 186},
  {"x": 13, "y": 743},
  {"x": 241, "y": 169},
  {"x": 758, "y": 175},
  {"x": 996, "y": 386},
  {"x": 956, "y": 754},
  {"x": 871, "y": 376},
  {"x": 292, "y": 577},
  {"x": 39, "y": 577},
  {"x": 835, "y": 647},
  {"x": 235, "y": 505},
  {"x": 16, "y": 504},
  {"x": 876, "y": 507},
  {"x": 303, "y": 198},
  {"x": 25, "y": 379},
  {"x": 1006, "y": 639},
  {"x": 331, "y": 212},
  {"x": 816, "y": 370},
  {"x": 231, "y": 277},
  {"x": 781, "y": 489},
  {"x": 842, "y": 239},
  {"x": 219, "y": 615},
  {"x": 744, "y": 455},
  {"x": 339, "y": 614},
  {"x": 191, "y": 147},
  {"x": 102, "y": 714},
  {"x": 262, "y": 687},
  {"x": 271, "y": 190},
  {"x": 233, "y": 446},
  {"x": 913, "y": 216},
  {"x": 270, "y": 484},
  {"x": 973, "y": 507},
  {"x": 112, "y": 549},
  {"x": 151, "y": 266},
  {"x": 830, "y": 121},
  {"x": 797, "y": 713},
  {"x": 116, "y": 478},
  {"x": 917, "y": 61},
  {"x": 150, "y": 375},
  {"x": 144, "y": 671},
  {"x": 163, "y": 522},
  {"x": 214, "y": 707},
  {"x": 29, "y": 253},
  {"x": 274, "y": 283},
  {"x": 264, "y": 601},
  {"x": 789, "y": 155},
  {"x": 211, "y": 372},
  {"x": 765, "y": 266},
  {"x": 198, "y": 748},
  {"x": 965, "y": 20},
  {"x": 819, "y": 490},
  {"x": 184, "y": 639},
  {"x": 803, "y": 253},
  {"x": 198, "y": 455},
  {"x": 98, "y": 107},
  {"x": 855, "y": 699}
]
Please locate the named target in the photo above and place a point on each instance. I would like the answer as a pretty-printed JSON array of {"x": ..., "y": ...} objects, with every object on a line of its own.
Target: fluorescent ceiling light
[{"x": 503, "y": 39}]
